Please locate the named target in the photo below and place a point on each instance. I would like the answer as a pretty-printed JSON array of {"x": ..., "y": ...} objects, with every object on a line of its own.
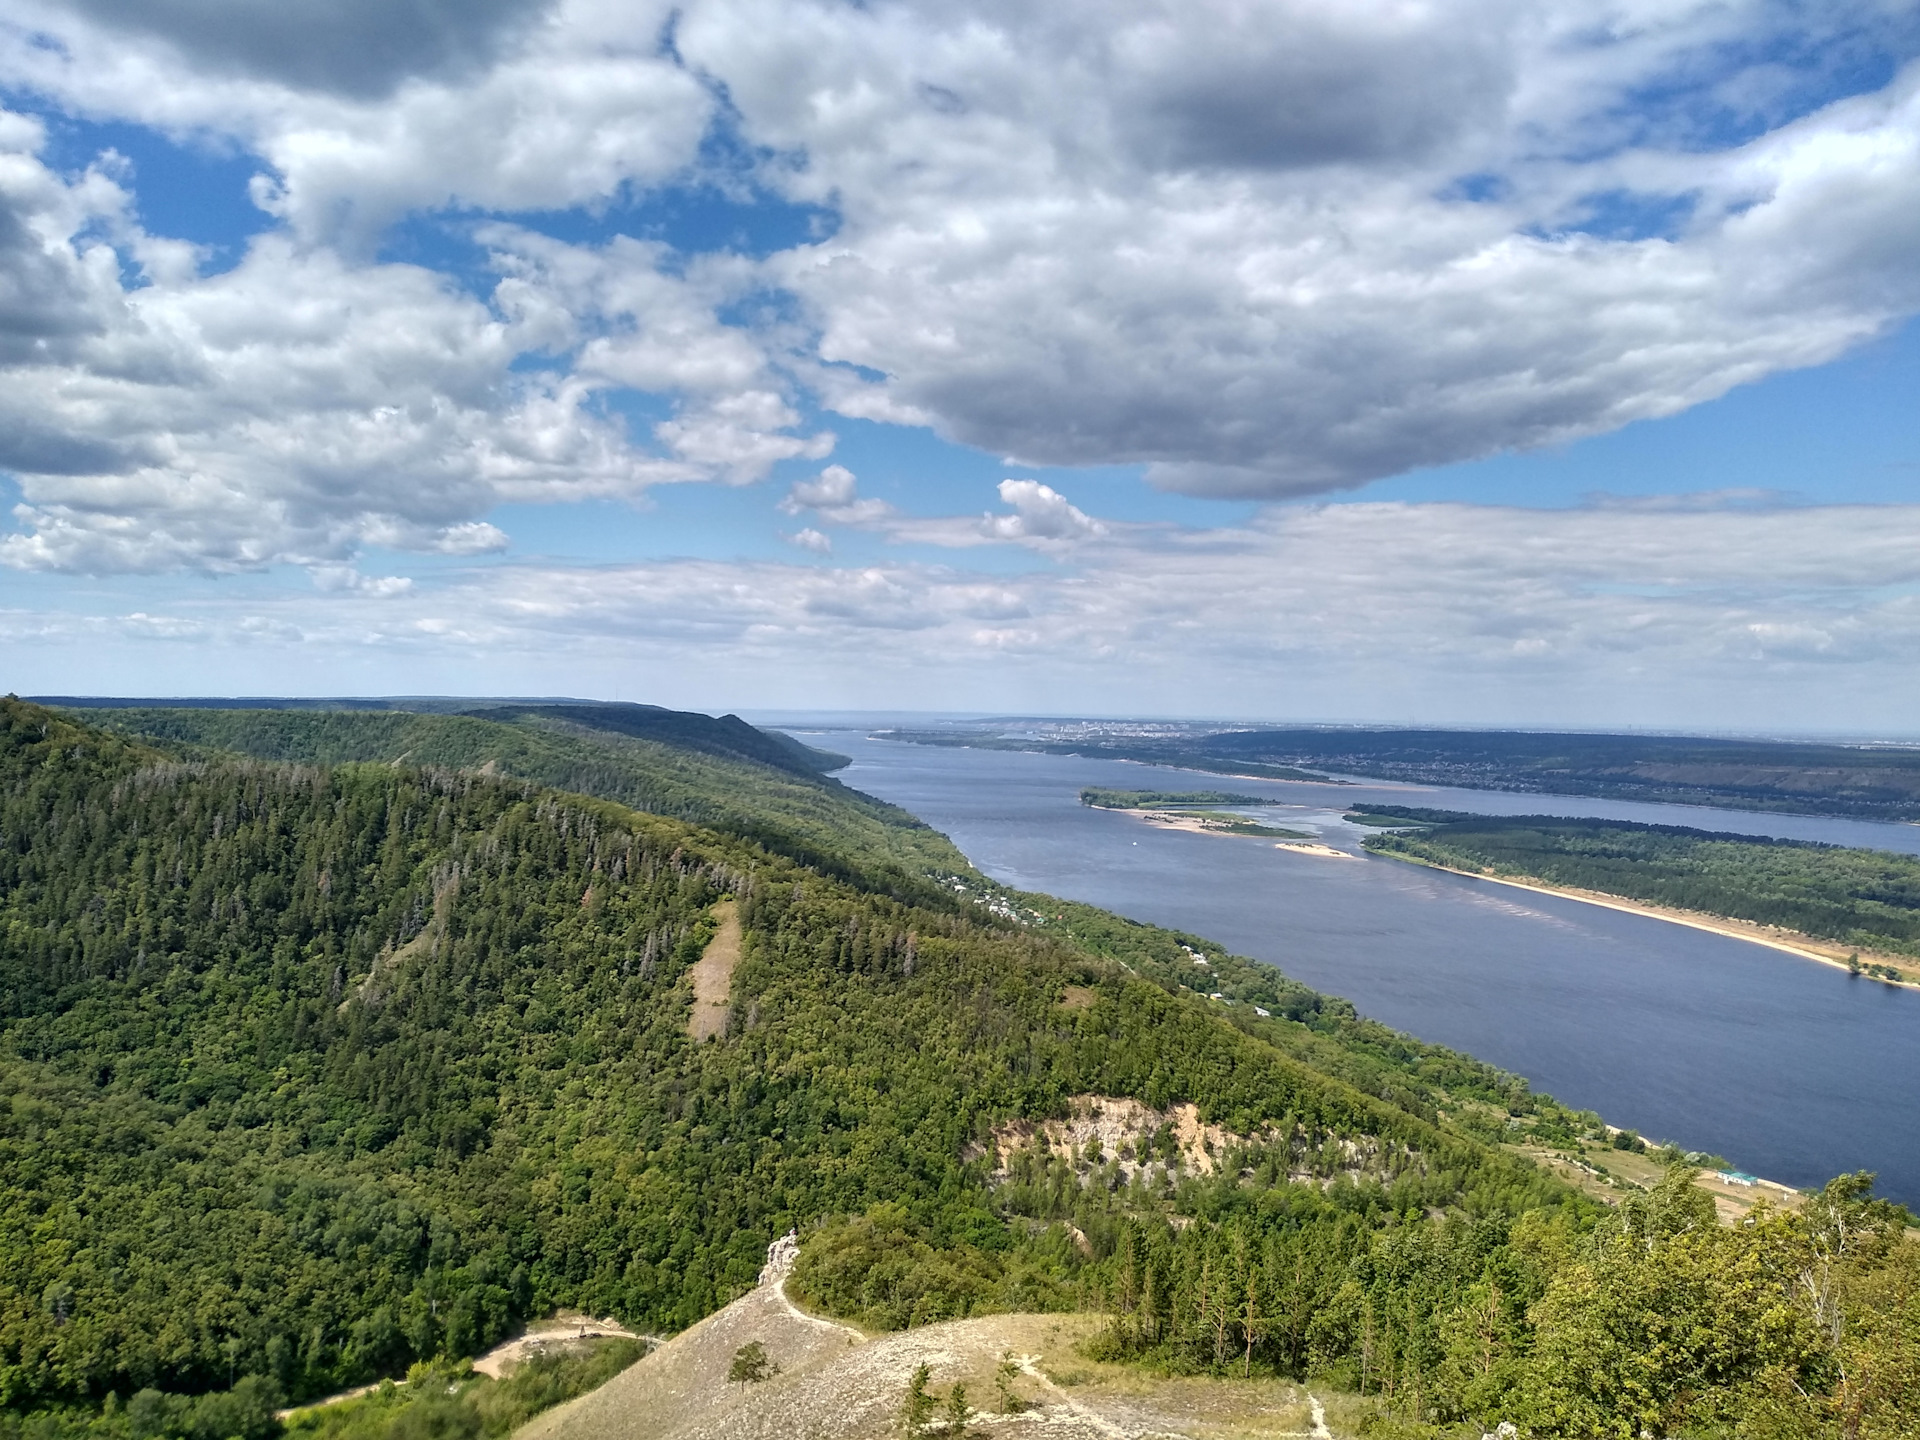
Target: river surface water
[{"x": 1791, "y": 1069}]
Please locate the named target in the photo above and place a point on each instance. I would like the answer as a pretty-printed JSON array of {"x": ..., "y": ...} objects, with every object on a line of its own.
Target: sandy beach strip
[
  {"x": 1205, "y": 825},
  {"x": 1733, "y": 929},
  {"x": 1192, "y": 824}
]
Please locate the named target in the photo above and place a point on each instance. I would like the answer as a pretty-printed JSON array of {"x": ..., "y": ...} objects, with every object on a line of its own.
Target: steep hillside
[
  {"x": 419, "y": 1039},
  {"x": 721, "y": 773},
  {"x": 310, "y": 1073},
  {"x": 840, "y": 831}
]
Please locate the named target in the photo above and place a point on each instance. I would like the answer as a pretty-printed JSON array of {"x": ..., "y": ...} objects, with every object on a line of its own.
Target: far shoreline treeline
[{"x": 1866, "y": 901}]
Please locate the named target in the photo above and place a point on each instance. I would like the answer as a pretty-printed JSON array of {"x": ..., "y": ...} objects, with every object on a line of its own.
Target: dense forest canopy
[
  {"x": 728, "y": 736},
  {"x": 772, "y": 790},
  {"x": 311, "y": 1072}
]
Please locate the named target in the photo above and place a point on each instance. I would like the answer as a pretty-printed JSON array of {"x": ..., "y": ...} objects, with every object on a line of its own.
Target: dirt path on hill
[
  {"x": 833, "y": 1383},
  {"x": 555, "y": 1334},
  {"x": 856, "y": 1337},
  {"x": 713, "y": 975}
]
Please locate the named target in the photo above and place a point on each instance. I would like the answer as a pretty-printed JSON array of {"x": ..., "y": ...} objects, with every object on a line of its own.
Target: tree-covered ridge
[
  {"x": 727, "y": 737},
  {"x": 845, "y": 832},
  {"x": 311, "y": 1073},
  {"x": 1869, "y": 899},
  {"x": 766, "y": 788}
]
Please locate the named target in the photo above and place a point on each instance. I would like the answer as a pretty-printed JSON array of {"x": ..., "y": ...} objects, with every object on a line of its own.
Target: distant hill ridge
[
  {"x": 1877, "y": 782},
  {"x": 1873, "y": 782},
  {"x": 666, "y": 762},
  {"x": 727, "y": 735}
]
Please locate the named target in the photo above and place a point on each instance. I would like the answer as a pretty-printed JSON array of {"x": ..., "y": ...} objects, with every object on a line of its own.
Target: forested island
[
  {"x": 337, "y": 1044},
  {"x": 1197, "y": 810},
  {"x": 1105, "y": 799},
  {"x": 1859, "y": 900}
]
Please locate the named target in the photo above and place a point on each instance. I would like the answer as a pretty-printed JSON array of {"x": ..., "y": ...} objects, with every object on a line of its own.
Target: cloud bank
[
  {"x": 1746, "y": 618},
  {"x": 1284, "y": 248},
  {"x": 299, "y": 406},
  {"x": 1267, "y": 250}
]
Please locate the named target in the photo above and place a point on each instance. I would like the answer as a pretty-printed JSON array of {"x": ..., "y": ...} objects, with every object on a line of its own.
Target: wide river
[{"x": 1791, "y": 1069}]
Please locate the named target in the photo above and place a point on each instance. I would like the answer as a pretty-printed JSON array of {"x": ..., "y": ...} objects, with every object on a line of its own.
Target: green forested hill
[
  {"x": 588, "y": 750},
  {"x": 314, "y": 1071},
  {"x": 308, "y": 1072},
  {"x": 728, "y": 737},
  {"x": 728, "y": 775}
]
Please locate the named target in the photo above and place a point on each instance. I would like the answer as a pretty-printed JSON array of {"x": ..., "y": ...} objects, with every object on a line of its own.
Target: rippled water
[{"x": 1793, "y": 1070}]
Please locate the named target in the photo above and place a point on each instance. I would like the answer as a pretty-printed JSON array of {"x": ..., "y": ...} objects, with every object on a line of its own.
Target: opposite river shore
[{"x": 1790, "y": 942}]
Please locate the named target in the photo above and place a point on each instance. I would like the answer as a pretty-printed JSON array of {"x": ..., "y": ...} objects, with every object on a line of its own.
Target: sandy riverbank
[
  {"x": 1790, "y": 942},
  {"x": 1207, "y": 825},
  {"x": 1195, "y": 824}
]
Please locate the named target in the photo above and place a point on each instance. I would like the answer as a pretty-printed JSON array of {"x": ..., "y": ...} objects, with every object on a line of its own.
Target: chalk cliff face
[{"x": 780, "y": 1257}]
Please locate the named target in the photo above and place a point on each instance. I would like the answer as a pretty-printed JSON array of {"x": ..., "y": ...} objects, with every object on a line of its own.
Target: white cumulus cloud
[
  {"x": 1042, "y": 518},
  {"x": 1039, "y": 513},
  {"x": 1752, "y": 618},
  {"x": 808, "y": 538},
  {"x": 300, "y": 406},
  {"x": 1265, "y": 249},
  {"x": 1284, "y": 248}
]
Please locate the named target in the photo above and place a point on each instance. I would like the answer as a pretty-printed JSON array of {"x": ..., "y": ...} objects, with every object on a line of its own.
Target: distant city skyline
[{"x": 1451, "y": 364}]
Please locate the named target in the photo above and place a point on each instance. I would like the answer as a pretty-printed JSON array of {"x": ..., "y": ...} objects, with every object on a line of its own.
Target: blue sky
[{"x": 1303, "y": 361}]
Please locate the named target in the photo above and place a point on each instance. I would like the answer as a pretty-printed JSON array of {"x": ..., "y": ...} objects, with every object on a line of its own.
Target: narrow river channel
[{"x": 1791, "y": 1069}]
